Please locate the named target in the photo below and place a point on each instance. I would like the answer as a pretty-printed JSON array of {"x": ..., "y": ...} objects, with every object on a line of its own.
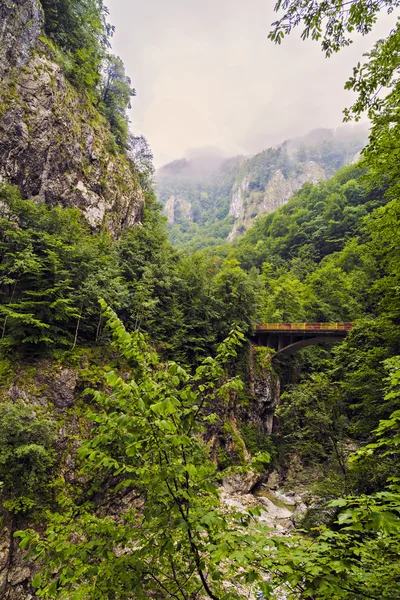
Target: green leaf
[{"x": 37, "y": 580}]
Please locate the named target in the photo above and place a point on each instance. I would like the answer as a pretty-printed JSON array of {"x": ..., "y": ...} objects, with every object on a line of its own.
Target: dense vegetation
[
  {"x": 175, "y": 539},
  {"x": 139, "y": 513},
  {"x": 54, "y": 269},
  {"x": 205, "y": 196},
  {"x": 80, "y": 36},
  {"x": 187, "y": 304},
  {"x": 317, "y": 221},
  {"x": 203, "y": 187}
]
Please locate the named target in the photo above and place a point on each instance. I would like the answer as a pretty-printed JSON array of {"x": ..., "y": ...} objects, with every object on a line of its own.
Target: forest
[
  {"x": 120, "y": 494},
  {"x": 203, "y": 216}
]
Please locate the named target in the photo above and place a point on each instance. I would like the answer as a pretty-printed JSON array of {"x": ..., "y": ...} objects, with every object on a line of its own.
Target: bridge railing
[{"x": 304, "y": 326}]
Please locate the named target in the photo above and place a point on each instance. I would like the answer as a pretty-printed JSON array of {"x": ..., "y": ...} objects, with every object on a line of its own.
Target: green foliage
[
  {"x": 257, "y": 441},
  {"x": 312, "y": 425},
  {"x": 359, "y": 560},
  {"x": 351, "y": 278},
  {"x": 116, "y": 91},
  {"x": 203, "y": 196},
  {"x": 263, "y": 360},
  {"x": 358, "y": 557},
  {"x": 383, "y": 261},
  {"x": 149, "y": 265},
  {"x": 52, "y": 270},
  {"x": 79, "y": 35},
  {"x": 6, "y": 371},
  {"x": 145, "y": 438},
  {"x": 187, "y": 304},
  {"x": 387, "y": 444},
  {"x": 375, "y": 81},
  {"x": 173, "y": 539},
  {"x": 207, "y": 191},
  {"x": 78, "y": 27},
  {"x": 27, "y": 457},
  {"x": 141, "y": 156},
  {"x": 330, "y": 23},
  {"x": 235, "y": 293},
  {"x": 359, "y": 369},
  {"x": 232, "y": 449},
  {"x": 332, "y": 253},
  {"x": 317, "y": 221}
]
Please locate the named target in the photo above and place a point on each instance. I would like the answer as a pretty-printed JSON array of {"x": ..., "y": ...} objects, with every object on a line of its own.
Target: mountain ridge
[{"x": 208, "y": 200}]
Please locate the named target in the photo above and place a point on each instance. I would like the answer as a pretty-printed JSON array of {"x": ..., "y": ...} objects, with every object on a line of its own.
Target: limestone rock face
[
  {"x": 53, "y": 144},
  {"x": 21, "y": 24},
  {"x": 279, "y": 189},
  {"x": 240, "y": 483},
  {"x": 277, "y": 509},
  {"x": 15, "y": 572},
  {"x": 169, "y": 209},
  {"x": 60, "y": 387},
  {"x": 177, "y": 204},
  {"x": 257, "y": 417},
  {"x": 264, "y": 387},
  {"x": 246, "y": 207},
  {"x": 236, "y": 208}
]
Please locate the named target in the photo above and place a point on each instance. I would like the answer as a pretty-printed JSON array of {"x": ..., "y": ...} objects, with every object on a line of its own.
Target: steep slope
[
  {"x": 204, "y": 207},
  {"x": 58, "y": 152},
  {"x": 53, "y": 143}
]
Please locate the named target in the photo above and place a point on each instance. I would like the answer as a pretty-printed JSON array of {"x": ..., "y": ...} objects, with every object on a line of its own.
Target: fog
[{"x": 207, "y": 76}]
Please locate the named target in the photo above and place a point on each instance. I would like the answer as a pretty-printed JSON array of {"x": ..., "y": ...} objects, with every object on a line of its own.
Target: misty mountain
[{"x": 209, "y": 198}]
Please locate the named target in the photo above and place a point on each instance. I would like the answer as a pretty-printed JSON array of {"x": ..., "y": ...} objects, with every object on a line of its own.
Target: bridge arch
[
  {"x": 289, "y": 338},
  {"x": 314, "y": 341}
]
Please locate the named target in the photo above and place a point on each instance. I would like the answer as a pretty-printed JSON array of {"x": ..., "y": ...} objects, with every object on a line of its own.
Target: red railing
[{"x": 304, "y": 327}]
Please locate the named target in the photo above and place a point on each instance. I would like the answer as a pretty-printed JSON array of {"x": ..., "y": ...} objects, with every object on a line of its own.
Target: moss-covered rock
[
  {"x": 264, "y": 386},
  {"x": 54, "y": 144},
  {"x": 51, "y": 388}
]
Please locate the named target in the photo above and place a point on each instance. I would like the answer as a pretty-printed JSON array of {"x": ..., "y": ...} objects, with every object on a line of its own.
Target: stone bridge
[{"x": 288, "y": 338}]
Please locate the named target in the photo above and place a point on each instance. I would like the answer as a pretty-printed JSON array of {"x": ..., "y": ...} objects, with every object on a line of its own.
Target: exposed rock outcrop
[
  {"x": 169, "y": 209},
  {"x": 15, "y": 572},
  {"x": 277, "y": 510},
  {"x": 53, "y": 389},
  {"x": 177, "y": 205},
  {"x": 53, "y": 143},
  {"x": 264, "y": 387},
  {"x": 233, "y": 192},
  {"x": 236, "y": 208},
  {"x": 245, "y": 207},
  {"x": 240, "y": 483},
  {"x": 246, "y": 432}
]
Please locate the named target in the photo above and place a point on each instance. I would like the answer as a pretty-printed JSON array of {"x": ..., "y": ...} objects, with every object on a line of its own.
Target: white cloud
[{"x": 205, "y": 74}]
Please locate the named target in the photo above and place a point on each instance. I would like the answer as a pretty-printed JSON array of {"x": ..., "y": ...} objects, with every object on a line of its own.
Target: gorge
[{"x": 164, "y": 430}]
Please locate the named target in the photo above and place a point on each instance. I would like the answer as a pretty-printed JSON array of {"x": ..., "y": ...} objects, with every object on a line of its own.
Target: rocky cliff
[
  {"x": 58, "y": 149},
  {"x": 223, "y": 201},
  {"x": 53, "y": 143},
  {"x": 51, "y": 390},
  {"x": 248, "y": 423},
  {"x": 245, "y": 206},
  {"x": 177, "y": 205}
]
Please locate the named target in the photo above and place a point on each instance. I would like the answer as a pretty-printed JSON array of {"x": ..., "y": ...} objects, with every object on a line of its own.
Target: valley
[
  {"x": 210, "y": 199},
  {"x": 199, "y": 364}
]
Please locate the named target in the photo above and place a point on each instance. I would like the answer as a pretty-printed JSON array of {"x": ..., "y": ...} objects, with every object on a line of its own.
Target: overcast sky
[{"x": 206, "y": 75}]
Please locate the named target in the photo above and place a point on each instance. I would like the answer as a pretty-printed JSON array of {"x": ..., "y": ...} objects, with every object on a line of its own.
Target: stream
[{"x": 280, "y": 510}]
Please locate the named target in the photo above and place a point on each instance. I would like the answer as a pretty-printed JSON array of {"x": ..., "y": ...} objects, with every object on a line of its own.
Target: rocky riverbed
[{"x": 281, "y": 509}]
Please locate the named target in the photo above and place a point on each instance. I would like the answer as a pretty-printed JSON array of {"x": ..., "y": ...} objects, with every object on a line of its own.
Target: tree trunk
[{"x": 77, "y": 329}]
